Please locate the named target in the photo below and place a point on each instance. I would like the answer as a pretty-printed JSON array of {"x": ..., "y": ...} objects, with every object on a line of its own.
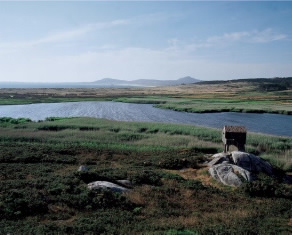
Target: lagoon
[{"x": 274, "y": 124}]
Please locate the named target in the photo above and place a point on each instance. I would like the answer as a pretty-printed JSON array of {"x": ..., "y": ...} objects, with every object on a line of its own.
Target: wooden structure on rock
[{"x": 234, "y": 135}]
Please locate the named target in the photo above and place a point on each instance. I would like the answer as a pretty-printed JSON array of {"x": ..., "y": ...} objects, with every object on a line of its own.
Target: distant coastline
[{"x": 103, "y": 83}]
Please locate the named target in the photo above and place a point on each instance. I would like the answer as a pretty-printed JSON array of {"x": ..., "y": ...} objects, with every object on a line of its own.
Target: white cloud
[
  {"x": 236, "y": 36},
  {"x": 255, "y": 36},
  {"x": 267, "y": 36},
  {"x": 68, "y": 35}
]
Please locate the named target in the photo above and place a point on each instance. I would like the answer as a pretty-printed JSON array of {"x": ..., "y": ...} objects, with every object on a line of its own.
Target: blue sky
[{"x": 78, "y": 41}]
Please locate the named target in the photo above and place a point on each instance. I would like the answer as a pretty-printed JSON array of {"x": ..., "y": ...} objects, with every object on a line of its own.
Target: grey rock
[
  {"x": 251, "y": 163},
  {"x": 83, "y": 168},
  {"x": 126, "y": 183},
  {"x": 218, "y": 159},
  {"x": 239, "y": 166},
  {"x": 105, "y": 185},
  {"x": 230, "y": 174},
  {"x": 217, "y": 155}
]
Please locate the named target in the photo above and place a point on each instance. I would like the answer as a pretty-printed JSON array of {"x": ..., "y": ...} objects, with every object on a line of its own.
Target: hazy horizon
[
  {"x": 78, "y": 41},
  {"x": 97, "y": 80}
]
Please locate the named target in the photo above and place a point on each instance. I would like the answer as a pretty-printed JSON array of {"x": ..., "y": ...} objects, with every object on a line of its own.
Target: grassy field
[
  {"x": 219, "y": 100},
  {"x": 41, "y": 191}
]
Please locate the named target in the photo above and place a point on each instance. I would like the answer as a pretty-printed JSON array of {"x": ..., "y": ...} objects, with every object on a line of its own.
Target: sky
[{"x": 85, "y": 41}]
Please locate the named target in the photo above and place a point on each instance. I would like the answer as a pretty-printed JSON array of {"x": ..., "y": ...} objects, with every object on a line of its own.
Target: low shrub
[
  {"x": 174, "y": 163},
  {"x": 193, "y": 185},
  {"x": 18, "y": 203},
  {"x": 181, "y": 232},
  {"x": 52, "y": 119},
  {"x": 266, "y": 187},
  {"x": 9, "y": 120},
  {"x": 94, "y": 199},
  {"x": 52, "y": 128},
  {"x": 170, "y": 176},
  {"x": 146, "y": 177}
]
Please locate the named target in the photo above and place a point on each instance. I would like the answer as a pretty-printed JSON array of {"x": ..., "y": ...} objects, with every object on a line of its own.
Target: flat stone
[{"x": 105, "y": 185}]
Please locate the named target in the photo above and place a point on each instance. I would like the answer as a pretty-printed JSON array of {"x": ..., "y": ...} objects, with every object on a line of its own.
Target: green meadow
[
  {"x": 41, "y": 191},
  {"x": 254, "y": 103}
]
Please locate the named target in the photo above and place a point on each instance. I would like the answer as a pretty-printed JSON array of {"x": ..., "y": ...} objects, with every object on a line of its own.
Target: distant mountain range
[
  {"x": 106, "y": 83},
  {"x": 146, "y": 82}
]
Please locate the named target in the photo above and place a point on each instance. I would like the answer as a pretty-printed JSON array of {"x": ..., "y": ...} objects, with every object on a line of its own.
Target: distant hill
[
  {"x": 252, "y": 80},
  {"x": 147, "y": 82},
  {"x": 103, "y": 83},
  {"x": 263, "y": 84}
]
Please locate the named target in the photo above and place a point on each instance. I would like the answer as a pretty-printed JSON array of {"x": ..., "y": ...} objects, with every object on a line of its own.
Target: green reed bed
[
  {"x": 216, "y": 104},
  {"x": 84, "y": 130}
]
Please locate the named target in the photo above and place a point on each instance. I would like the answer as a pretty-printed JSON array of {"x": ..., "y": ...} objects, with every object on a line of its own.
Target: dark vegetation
[
  {"x": 41, "y": 191},
  {"x": 280, "y": 82},
  {"x": 5, "y": 121}
]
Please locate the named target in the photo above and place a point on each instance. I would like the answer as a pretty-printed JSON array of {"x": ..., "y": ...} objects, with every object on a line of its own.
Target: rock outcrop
[{"x": 237, "y": 167}]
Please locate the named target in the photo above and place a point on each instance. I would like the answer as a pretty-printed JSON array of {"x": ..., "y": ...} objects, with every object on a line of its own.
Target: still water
[{"x": 274, "y": 124}]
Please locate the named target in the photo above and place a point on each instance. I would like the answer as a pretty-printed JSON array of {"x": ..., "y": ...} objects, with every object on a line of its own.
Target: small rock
[
  {"x": 83, "y": 168},
  {"x": 105, "y": 185}
]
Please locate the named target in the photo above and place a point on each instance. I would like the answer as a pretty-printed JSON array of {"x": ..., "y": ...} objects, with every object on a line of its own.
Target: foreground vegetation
[{"x": 41, "y": 191}]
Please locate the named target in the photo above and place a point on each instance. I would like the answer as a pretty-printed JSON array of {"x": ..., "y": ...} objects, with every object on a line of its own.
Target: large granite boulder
[
  {"x": 235, "y": 168},
  {"x": 229, "y": 174},
  {"x": 105, "y": 185},
  {"x": 251, "y": 163}
]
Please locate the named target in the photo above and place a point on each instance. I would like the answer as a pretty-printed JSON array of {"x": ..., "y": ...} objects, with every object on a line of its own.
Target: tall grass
[
  {"x": 211, "y": 103},
  {"x": 139, "y": 136}
]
